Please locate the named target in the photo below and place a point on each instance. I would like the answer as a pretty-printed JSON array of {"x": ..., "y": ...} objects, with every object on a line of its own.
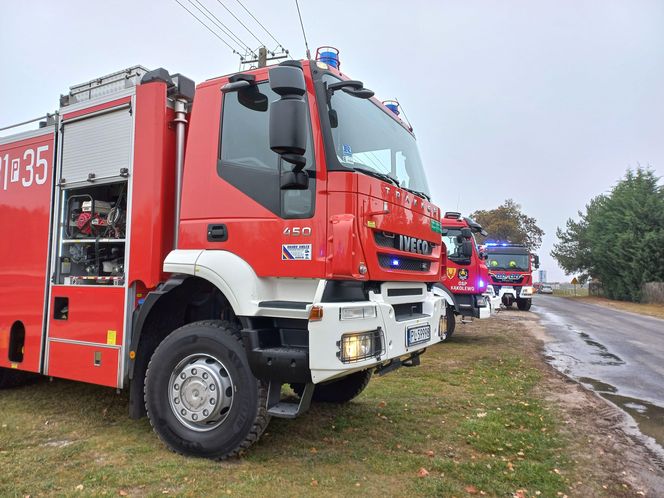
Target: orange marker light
[{"x": 316, "y": 314}]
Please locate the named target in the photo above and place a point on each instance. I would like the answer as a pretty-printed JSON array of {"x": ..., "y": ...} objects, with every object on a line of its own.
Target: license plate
[{"x": 418, "y": 334}]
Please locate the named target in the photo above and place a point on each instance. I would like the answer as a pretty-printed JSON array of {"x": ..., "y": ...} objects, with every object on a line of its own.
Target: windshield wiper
[
  {"x": 417, "y": 192},
  {"x": 376, "y": 174}
]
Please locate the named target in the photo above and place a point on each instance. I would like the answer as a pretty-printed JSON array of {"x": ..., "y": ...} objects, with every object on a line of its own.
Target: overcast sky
[{"x": 544, "y": 102}]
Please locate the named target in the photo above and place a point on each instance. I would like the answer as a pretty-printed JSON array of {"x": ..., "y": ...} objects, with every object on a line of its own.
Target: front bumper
[
  {"x": 325, "y": 335},
  {"x": 525, "y": 292}
]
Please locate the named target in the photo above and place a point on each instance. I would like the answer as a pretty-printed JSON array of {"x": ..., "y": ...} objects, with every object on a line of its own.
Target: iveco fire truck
[
  {"x": 203, "y": 246},
  {"x": 510, "y": 273},
  {"x": 464, "y": 273}
]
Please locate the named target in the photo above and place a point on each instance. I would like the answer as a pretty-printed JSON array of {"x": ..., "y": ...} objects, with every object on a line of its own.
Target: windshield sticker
[
  {"x": 296, "y": 252},
  {"x": 347, "y": 153}
]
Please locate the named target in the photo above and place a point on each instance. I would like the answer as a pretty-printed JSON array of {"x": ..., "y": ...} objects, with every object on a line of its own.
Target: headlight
[
  {"x": 357, "y": 312},
  {"x": 360, "y": 346}
]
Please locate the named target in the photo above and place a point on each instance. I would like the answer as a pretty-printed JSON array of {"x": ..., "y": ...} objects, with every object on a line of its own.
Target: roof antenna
[{"x": 306, "y": 45}]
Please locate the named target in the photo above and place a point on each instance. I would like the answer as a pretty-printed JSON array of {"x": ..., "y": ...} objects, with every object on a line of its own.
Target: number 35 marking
[{"x": 32, "y": 169}]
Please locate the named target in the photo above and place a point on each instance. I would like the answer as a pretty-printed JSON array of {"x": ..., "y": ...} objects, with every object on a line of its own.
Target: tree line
[{"x": 619, "y": 239}]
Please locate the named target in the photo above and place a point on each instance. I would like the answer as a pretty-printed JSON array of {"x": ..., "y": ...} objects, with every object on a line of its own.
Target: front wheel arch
[{"x": 180, "y": 300}]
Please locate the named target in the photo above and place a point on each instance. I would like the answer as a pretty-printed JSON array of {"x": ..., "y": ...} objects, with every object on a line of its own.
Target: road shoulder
[
  {"x": 604, "y": 440},
  {"x": 641, "y": 309}
]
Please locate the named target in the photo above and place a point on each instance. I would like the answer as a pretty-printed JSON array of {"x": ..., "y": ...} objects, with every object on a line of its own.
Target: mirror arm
[{"x": 234, "y": 87}]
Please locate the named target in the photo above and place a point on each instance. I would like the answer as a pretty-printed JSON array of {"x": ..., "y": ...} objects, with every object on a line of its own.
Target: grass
[
  {"x": 471, "y": 415},
  {"x": 580, "y": 292},
  {"x": 655, "y": 310}
]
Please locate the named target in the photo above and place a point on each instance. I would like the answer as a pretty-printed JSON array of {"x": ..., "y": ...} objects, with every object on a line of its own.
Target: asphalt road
[{"x": 617, "y": 353}]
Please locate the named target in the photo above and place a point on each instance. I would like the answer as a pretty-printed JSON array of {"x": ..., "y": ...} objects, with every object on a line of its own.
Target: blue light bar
[{"x": 395, "y": 262}]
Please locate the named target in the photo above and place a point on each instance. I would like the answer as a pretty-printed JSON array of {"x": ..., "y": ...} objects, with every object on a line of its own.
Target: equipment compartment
[
  {"x": 85, "y": 363},
  {"x": 92, "y": 235}
]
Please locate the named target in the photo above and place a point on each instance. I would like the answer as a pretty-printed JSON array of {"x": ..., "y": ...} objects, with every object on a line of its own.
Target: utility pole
[{"x": 262, "y": 57}]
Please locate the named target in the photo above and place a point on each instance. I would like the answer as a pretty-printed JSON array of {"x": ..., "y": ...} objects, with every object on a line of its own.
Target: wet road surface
[{"x": 616, "y": 353}]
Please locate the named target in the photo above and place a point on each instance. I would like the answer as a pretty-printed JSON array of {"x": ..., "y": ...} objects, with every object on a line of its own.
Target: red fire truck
[
  {"x": 464, "y": 274},
  {"x": 291, "y": 242},
  {"x": 510, "y": 272}
]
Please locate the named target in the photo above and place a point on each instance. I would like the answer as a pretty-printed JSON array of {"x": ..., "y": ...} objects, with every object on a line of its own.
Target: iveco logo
[{"x": 411, "y": 244}]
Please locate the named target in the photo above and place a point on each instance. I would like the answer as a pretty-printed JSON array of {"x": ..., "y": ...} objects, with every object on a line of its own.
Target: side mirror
[
  {"x": 288, "y": 123},
  {"x": 467, "y": 248},
  {"x": 535, "y": 260},
  {"x": 466, "y": 233}
]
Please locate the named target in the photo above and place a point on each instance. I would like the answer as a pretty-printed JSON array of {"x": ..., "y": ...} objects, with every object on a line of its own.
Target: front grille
[
  {"x": 400, "y": 242},
  {"x": 393, "y": 262},
  {"x": 505, "y": 279}
]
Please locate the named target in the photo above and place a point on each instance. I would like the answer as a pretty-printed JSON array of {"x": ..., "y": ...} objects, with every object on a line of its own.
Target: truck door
[
  {"x": 236, "y": 203},
  {"x": 26, "y": 185}
]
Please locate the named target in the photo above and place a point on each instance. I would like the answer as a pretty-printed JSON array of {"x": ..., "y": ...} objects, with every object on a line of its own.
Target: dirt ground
[{"x": 606, "y": 444}]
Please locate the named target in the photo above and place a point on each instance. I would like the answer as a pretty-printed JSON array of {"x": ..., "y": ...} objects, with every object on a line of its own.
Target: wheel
[
  {"x": 507, "y": 301},
  {"x": 451, "y": 324},
  {"x": 13, "y": 378},
  {"x": 524, "y": 304},
  {"x": 200, "y": 394},
  {"x": 340, "y": 390}
]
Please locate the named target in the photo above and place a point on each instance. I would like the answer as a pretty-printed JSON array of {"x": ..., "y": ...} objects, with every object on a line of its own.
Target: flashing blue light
[
  {"x": 393, "y": 107},
  {"x": 481, "y": 283},
  {"x": 328, "y": 55},
  {"x": 395, "y": 262}
]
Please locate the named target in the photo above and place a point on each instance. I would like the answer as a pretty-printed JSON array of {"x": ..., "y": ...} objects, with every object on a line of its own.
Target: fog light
[
  {"x": 360, "y": 346},
  {"x": 442, "y": 325},
  {"x": 357, "y": 312}
]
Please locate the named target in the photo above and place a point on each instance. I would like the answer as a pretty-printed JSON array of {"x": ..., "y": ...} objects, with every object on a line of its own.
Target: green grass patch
[{"x": 469, "y": 415}]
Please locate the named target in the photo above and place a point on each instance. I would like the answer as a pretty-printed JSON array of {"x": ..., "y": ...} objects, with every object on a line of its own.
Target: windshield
[
  {"x": 454, "y": 242},
  {"x": 519, "y": 262},
  {"x": 367, "y": 138}
]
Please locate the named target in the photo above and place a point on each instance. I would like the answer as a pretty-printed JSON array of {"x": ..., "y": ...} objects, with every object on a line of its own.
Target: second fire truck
[{"x": 464, "y": 272}]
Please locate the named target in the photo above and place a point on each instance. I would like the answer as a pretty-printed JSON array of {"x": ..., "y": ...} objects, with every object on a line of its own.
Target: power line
[
  {"x": 306, "y": 45},
  {"x": 209, "y": 29},
  {"x": 241, "y": 23},
  {"x": 259, "y": 23},
  {"x": 225, "y": 29}
]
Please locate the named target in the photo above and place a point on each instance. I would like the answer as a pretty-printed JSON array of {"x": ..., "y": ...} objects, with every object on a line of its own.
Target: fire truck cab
[
  {"x": 203, "y": 246},
  {"x": 465, "y": 275},
  {"x": 510, "y": 272}
]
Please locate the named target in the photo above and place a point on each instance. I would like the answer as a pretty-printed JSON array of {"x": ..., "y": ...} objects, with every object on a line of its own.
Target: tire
[
  {"x": 13, "y": 378},
  {"x": 451, "y": 324},
  {"x": 507, "y": 302},
  {"x": 205, "y": 357},
  {"x": 338, "y": 391},
  {"x": 524, "y": 304}
]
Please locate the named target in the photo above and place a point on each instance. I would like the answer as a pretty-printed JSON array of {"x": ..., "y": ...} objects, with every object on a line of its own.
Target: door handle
[{"x": 217, "y": 233}]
